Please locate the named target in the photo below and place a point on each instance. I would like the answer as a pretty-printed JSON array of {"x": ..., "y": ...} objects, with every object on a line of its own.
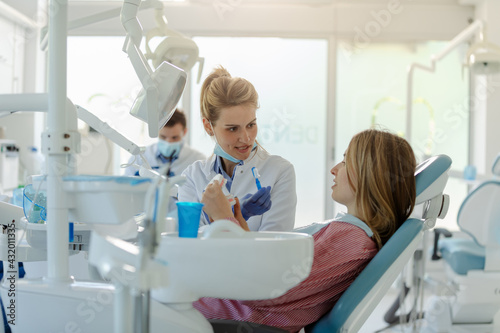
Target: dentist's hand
[{"x": 257, "y": 203}]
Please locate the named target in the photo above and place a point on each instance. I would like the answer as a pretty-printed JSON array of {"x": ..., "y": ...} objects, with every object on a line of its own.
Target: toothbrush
[{"x": 255, "y": 173}]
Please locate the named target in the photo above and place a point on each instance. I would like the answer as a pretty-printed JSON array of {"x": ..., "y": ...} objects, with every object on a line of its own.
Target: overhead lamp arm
[
  {"x": 39, "y": 103},
  {"x": 173, "y": 40},
  {"x": 456, "y": 41},
  {"x": 99, "y": 17},
  {"x": 130, "y": 22},
  {"x": 13, "y": 14},
  {"x": 110, "y": 133},
  {"x": 466, "y": 34},
  {"x": 161, "y": 22}
]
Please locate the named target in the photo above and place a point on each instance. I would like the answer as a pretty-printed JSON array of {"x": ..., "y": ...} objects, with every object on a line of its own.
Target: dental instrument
[
  {"x": 222, "y": 183},
  {"x": 255, "y": 173}
]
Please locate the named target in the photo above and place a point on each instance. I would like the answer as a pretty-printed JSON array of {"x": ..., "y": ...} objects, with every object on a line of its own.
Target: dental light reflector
[
  {"x": 179, "y": 51},
  {"x": 484, "y": 58},
  {"x": 156, "y": 103}
]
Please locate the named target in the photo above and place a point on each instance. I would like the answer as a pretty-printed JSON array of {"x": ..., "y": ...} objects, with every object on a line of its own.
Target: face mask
[
  {"x": 220, "y": 152},
  {"x": 168, "y": 148}
]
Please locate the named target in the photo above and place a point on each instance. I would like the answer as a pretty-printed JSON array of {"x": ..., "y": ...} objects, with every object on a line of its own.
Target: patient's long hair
[{"x": 381, "y": 170}]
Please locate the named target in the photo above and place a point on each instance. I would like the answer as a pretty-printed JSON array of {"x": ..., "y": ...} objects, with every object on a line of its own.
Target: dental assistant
[
  {"x": 170, "y": 147},
  {"x": 228, "y": 111}
]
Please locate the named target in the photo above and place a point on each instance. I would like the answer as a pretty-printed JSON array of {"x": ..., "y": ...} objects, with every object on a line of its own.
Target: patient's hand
[
  {"x": 239, "y": 216},
  {"x": 216, "y": 205}
]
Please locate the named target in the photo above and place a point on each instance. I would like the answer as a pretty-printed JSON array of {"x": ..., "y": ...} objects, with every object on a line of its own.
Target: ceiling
[{"x": 28, "y": 7}]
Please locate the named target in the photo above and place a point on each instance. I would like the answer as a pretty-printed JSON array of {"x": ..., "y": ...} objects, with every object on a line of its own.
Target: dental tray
[
  {"x": 102, "y": 199},
  {"x": 36, "y": 235}
]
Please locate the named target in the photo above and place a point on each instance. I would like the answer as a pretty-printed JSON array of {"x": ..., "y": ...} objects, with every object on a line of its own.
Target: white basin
[
  {"x": 228, "y": 262},
  {"x": 94, "y": 199}
]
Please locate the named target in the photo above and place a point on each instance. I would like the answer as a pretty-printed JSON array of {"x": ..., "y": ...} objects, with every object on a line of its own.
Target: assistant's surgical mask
[
  {"x": 220, "y": 152},
  {"x": 168, "y": 148}
]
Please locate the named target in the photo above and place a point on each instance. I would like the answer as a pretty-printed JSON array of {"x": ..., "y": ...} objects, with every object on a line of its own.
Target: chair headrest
[
  {"x": 431, "y": 176},
  {"x": 479, "y": 214},
  {"x": 495, "y": 169}
]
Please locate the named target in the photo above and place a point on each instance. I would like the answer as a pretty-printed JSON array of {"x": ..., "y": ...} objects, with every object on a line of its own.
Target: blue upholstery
[
  {"x": 479, "y": 210},
  {"x": 436, "y": 165},
  {"x": 495, "y": 168},
  {"x": 366, "y": 281},
  {"x": 462, "y": 254}
]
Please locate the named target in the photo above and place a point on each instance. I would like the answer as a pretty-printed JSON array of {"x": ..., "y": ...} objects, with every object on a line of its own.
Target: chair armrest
[{"x": 437, "y": 233}]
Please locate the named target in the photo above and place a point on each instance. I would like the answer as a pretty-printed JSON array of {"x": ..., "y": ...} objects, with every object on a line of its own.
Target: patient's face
[{"x": 342, "y": 191}]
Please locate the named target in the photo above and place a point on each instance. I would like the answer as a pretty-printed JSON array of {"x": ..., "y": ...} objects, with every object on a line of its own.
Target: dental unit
[
  {"x": 153, "y": 277},
  {"x": 146, "y": 277}
]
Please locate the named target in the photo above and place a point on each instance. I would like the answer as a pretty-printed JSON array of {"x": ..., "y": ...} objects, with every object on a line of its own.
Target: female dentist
[{"x": 228, "y": 111}]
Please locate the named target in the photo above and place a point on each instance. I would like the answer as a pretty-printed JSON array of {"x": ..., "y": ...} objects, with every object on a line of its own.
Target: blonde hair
[
  {"x": 220, "y": 90},
  {"x": 381, "y": 170}
]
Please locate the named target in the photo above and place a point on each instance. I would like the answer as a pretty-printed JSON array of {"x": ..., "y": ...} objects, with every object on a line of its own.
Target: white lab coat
[
  {"x": 186, "y": 157},
  {"x": 274, "y": 171}
]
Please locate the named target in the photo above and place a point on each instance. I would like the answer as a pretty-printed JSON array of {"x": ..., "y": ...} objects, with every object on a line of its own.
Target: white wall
[
  {"x": 21, "y": 69},
  {"x": 486, "y": 116},
  {"x": 14, "y": 38}
]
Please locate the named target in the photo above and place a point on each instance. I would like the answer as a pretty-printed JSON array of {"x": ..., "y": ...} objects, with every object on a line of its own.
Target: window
[
  {"x": 371, "y": 89},
  {"x": 102, "y": 80}
]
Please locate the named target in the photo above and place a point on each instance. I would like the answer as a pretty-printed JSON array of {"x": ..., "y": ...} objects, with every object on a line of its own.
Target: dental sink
[
  {"x": 223, "y": 262},
  {"x": 227, "y": 262}
]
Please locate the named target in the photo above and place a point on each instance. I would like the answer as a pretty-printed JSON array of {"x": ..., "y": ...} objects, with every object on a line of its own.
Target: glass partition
[{"x": 371, "y": 91}]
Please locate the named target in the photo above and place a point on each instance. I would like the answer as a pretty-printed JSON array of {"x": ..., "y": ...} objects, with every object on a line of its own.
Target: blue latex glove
[{"x": 257, "y": 203}]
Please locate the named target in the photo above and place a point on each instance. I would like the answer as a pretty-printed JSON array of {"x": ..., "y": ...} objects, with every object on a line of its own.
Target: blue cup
[{"x": 189, "y": 214}]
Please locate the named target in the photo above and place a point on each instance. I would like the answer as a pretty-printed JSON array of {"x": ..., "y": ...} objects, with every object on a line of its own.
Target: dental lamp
[
  {"x": 162, "y": 88},
  {"x": 162, "y": 85},
  {"x": 175, "y": 48},
  {"x": 174, "y": 52},
  {"x": 482, "y": 57}
]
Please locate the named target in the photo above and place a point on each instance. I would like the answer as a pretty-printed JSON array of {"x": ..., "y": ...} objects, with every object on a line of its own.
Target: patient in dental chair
[{"x": 376, "y": 183}]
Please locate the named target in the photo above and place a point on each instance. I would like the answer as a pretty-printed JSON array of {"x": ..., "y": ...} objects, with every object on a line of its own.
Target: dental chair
[
  {"x": 472, "y": 298},
  {"x": 363, "y": 295}
]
